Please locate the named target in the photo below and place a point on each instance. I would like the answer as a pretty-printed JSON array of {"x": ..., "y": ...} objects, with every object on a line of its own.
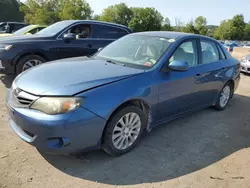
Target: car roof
[
  {"x": 169, "y": 34},
  {"x": 95, "y": 21},
  {"x": 17, "y": 23}
]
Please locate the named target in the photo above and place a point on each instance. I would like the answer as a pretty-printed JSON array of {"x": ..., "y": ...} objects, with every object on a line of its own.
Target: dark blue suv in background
[{"x": 65, "y": 39}]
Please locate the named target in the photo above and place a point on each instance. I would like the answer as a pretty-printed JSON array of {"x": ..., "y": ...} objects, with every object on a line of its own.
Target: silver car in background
[{"x": 245, "y": 64}]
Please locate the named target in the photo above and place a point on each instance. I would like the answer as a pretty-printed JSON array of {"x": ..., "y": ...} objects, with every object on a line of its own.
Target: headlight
[
  {"x": 5, "y": 47},
  {"x": 56, "y": 105}
]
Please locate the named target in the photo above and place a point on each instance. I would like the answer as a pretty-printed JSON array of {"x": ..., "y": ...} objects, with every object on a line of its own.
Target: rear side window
[
  {"x": 222, "y": 55},
  {"x": 209, "y": 52},
  {"x": 109, "y": 32}
]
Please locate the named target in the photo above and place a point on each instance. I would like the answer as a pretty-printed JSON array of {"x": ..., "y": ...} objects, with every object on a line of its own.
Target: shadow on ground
[
  {"x": 7, "y": 80},
  {"x": 178, "y": 148}
]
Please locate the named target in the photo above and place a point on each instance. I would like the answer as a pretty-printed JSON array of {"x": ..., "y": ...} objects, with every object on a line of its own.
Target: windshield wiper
[{"x": 109, "y": 61}]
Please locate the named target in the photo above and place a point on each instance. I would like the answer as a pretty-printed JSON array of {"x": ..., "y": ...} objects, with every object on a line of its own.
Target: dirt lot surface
[{"x": 205, "y": 149}]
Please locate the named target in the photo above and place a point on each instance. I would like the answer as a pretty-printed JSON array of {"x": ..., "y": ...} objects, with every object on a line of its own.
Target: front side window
[
  {"x": 141, "y": 50},
  {"x": 187, "y": 51},
  {"x": 3, "y": 27},
  {"x": 209, "y": 52},
  {"x": 81, "y": 31}
]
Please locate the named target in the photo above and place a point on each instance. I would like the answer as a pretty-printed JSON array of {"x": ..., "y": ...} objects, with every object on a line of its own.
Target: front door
[
  {"x": 180, "y": 92},
  {"x": 82, "y": 45}
]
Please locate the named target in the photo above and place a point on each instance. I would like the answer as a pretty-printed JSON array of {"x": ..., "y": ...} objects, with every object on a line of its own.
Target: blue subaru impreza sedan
[{"x": 108, "y": 100}]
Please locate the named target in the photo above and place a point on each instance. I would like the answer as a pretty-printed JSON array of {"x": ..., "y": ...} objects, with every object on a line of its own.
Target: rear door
[
  {"x": 105, "y": 34},
  {"x": 213, "y": 65}
]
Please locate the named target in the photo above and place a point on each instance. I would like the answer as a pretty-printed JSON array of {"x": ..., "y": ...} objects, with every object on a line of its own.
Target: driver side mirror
[
  {"x": 179, "y": 66},
  {"x": 69, "y": 37}
]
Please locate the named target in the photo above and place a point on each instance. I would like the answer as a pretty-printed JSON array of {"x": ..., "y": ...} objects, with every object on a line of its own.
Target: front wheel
[
  {"x": 123, "y": 130},
  {"x": 28, "y": 62},
  {"x": 224, "y": 97}
]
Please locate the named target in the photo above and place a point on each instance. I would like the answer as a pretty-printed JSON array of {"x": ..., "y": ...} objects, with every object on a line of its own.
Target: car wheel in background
[
  {"x": 28, "y": 62},
  {"x": 124, "y": 130},
  {"x": 224, "y": 97}
]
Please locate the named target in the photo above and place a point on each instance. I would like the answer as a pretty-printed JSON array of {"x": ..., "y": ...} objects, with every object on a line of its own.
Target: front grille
[
  {"x": 24, "y": 101},
  {"x": 21, "y": 98}
]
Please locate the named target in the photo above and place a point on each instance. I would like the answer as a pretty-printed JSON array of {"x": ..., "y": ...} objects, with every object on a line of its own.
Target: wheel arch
[
  {"x": 26, "y": 53},
  {"x": 142, "y": 104}
]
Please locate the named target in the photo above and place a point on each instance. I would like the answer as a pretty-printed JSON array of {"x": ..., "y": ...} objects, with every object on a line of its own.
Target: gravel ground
[{"x": 205, "y": 149}]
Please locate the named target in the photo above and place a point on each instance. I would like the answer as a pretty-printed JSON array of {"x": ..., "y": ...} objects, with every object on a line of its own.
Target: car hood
[
  {"x": 21, "y": 38},
  {"x": 70, "y": 76}
]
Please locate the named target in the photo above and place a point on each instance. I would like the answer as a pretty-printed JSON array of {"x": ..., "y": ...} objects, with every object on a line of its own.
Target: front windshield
[
  {"x": 23, "y": 30},
  {"x": 136, "y": 49},
  {"x": 54, "y": 29}
]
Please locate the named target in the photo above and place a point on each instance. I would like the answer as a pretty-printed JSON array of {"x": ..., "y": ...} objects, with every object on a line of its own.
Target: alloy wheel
[
  {"x": 31, "y": 63},
  {"x": 225, "y": 95},
  {"x": 126, "y": 131}
]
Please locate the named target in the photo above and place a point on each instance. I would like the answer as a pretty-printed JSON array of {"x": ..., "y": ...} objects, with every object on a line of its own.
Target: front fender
[{"x": 104, "y": 100}]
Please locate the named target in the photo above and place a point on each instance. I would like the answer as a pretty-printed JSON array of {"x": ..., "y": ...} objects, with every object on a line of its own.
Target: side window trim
[
  {"x": 60, "y": 36},
  {"x": 221, "y": 52},
  {"x": 197, "y": 49}
]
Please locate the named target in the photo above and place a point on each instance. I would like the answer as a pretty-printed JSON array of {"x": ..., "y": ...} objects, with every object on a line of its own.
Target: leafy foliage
[
  {"x": 75, "y": 10},
  {"x": 146, "y": 19},
  {"x": 137, "y": 18},
  {"x": 118, "y": 13}
]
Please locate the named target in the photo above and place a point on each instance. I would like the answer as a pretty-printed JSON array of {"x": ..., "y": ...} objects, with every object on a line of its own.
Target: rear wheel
[
  {"x": 28, "y": 62},
  {"x": 224, "y": 97},
  {"x": 123, "y": 131}
]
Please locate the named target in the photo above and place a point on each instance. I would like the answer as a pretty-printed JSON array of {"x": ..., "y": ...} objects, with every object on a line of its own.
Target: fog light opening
[{"x": 58, "y": 142}]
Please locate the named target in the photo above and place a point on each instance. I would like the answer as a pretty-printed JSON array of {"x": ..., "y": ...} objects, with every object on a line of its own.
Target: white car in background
[{"x": 245, "y": 64}]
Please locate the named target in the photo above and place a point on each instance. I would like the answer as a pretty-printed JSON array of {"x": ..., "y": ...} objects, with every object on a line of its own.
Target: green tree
[
  {"x": 247, "y": 31},
  {"x": 146, "y": 19},
  {"x": 167, "y": 25},
  {"x": 189, "y": 28},
  {"x": 119, "y": 13},
  {"x": 9, "y": 11},
  {"x": 237, "y": 27},
  {"x": 200, "y": 25},
  {"x": 41, "y": 11},
  {"x": 75, "y": 10},
  {"x": 96, "y": 17},
  {"x": 223, "y": 31}
]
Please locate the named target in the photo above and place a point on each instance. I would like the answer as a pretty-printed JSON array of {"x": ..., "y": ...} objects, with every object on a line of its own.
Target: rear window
[{"x": 110, "y": 32}]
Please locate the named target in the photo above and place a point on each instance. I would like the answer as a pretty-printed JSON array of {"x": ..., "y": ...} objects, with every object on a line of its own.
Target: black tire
[
  {"x": 218, "y": 105},
  {"x": 107, "y": 143},
  {"x": 23, "y": 60}
]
